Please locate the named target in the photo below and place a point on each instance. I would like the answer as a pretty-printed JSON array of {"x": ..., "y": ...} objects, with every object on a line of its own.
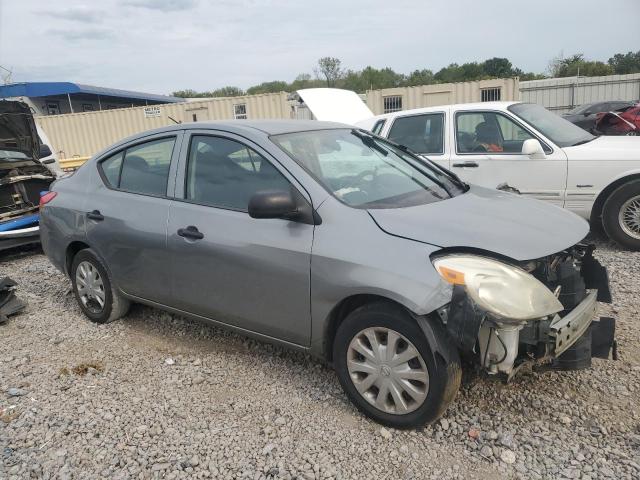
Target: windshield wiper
[
  {"x": 455, "y": 179},
  {"x": 370, "y": 142}
]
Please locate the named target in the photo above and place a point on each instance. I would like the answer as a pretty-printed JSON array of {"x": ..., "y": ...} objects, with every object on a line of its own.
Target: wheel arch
[
  {"x": 605, "y": 193},
  {"x": 72, "y": 250},
  {"x": 347, "y": 305}
]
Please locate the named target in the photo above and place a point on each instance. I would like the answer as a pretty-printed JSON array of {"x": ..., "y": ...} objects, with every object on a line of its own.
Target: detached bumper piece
[
  {"x": 9, "y": 303},
  {"x": 597, "y": 341}
]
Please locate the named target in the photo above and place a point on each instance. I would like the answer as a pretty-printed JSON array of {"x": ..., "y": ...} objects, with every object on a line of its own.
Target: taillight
[{"x": 46, "y": 197}]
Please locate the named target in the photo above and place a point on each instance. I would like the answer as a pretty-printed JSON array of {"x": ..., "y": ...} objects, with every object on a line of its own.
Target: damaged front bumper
[{"x": 564, "y": 341}]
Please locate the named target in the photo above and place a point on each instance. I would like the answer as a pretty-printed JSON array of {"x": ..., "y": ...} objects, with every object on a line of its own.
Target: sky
[{"x": 161, "y": 46}]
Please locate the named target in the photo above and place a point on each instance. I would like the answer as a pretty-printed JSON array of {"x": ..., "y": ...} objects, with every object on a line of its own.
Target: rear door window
[
  {"x": 421, "y": 133},
  {"x": 111, "y": 169},
  {"x": 143, "y": 168}
]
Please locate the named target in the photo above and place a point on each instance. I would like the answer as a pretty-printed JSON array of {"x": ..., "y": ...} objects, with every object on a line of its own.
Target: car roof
[
  {"x": 457, "y": 106},
  {"x": 269, "y": 127}
]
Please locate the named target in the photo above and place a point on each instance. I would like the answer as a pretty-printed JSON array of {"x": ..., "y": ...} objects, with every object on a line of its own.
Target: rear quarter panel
[{"x": 62, "y": 220}]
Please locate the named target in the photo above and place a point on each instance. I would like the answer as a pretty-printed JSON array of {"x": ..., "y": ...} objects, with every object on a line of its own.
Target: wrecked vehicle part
[
  {"x": 22, "y": 176},
  {"x": 9, "y": 303},
  {"x": 566, "y": 339},
  {"x": 505, "y": 187}
]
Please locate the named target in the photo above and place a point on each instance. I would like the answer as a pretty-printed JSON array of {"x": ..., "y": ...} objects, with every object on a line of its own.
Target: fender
[{"x": 602, "y": 195}]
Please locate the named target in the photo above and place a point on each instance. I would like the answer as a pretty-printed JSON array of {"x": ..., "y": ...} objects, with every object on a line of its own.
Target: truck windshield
[
  {"x": 562, "y": 132},
  {"x": 365, "y": 172}
]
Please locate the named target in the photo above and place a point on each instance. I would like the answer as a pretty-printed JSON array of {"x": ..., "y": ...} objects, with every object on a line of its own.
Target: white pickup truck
[{"x": 513, "y": 144}]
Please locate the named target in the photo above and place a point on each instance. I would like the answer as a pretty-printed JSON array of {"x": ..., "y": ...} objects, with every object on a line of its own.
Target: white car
[{"x": 513, "y": 144}]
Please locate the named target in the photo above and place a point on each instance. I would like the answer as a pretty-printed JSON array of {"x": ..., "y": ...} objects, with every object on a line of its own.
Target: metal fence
[
  {"x": 405, "y": 98},
  {"x": 78, "y": 135},
  {"x": 562, "y": 94}
]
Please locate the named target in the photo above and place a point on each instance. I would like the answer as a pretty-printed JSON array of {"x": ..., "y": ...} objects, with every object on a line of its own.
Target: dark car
[
  {"x": 624, "y": 121},
  {"x": 585, "y": 116}
]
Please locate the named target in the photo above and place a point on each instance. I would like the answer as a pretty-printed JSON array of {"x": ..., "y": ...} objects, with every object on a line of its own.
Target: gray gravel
[{"x": 157, "y": 396}]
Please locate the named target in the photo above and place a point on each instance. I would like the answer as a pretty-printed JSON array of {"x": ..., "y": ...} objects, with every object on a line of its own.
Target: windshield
[
  {"x": 580, "y": 109},
  {"x": 12, "y": 154},
  {"x": 363, "y": 171},
  {"x": 562, "y": 132}
]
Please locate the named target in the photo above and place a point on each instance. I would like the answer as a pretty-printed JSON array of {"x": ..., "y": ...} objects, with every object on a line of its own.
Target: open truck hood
[
  {"x": 335, "y": 105},
  {"x": 18, "y": 129},
  {"x": 490, "y": 220}
]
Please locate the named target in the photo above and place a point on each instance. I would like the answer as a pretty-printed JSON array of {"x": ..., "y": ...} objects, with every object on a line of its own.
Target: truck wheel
[
  {"x": 94, "y": 291},
  {"x": 621, "y": 215},
  {"x": 388, "y": 370}
]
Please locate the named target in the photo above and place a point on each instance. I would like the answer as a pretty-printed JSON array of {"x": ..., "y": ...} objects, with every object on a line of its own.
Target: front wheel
[
  {"x": 621, "y": 215},
  {"x": 94, "y": 291},
  {"x": 388, "y": 369}
]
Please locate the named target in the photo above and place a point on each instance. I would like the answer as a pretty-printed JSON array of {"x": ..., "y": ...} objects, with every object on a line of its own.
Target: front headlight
[{"x": 501, "y": 289}]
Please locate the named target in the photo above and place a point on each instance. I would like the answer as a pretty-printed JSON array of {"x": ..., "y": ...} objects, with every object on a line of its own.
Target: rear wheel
[
  {"x": 621, "y": 215},
  {"x": 94, "y": 290},
  {"x": 387, "y": 368}
]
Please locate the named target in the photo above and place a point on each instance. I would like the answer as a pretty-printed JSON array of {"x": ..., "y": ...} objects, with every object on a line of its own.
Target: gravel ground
[{"x": 158, "y": 396}]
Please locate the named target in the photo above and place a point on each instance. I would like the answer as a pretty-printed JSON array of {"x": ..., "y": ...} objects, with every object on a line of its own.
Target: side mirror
[
  {"x": 533, "y": 148},
  {"x": 45, "y": 151},
  {"x": 273, "y": 204}
]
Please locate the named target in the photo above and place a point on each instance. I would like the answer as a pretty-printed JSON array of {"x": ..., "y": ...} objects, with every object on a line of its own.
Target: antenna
[{"x": 6, "y": 75}]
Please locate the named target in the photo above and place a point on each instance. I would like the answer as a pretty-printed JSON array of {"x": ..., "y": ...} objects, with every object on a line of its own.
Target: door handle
[
  {"x": 191, "y": 232},
  {"x": 95, "y": 215},
  {"x": 467, "y": 164}
]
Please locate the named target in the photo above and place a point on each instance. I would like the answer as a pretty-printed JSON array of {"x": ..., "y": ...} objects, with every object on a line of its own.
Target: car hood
[
  {"x": 335, "y": 105},
  {"x": 490, "y": 220},
  {"x": 18, "y": 129},
  {"x": 606, "y": 147}
]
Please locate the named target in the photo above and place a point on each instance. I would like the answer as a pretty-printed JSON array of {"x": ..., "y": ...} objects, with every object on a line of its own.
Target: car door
[
  {"x": 127, "y": 214},
  {"x": 487, "y": 151},
  {"x": 253, "y": 274},
  {"x": 423, "y": 133}
]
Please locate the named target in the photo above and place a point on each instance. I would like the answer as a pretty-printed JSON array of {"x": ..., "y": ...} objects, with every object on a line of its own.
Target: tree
[
  {"x": 497, "y": 68},
  {"x": 625, "y": 62},
  {"x": 331, "y": 69},
  {"x": 577, "y": 65},
  {"x": 269, "y": 87},
  {"x": 186, "y": 93},
  {"x": 227, "y": 92},
  {"x": 419, "y": 77}
]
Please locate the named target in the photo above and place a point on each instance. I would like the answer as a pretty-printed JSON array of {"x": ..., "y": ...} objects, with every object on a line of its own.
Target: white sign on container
[{"x": 151, "y": 112}]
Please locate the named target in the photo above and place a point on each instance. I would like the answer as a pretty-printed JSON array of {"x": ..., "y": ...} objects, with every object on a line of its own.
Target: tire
[
  {"x": 621, "y": 215},
  {"x": 106, "y": 308},
  {"x": 443, "y": 377}
]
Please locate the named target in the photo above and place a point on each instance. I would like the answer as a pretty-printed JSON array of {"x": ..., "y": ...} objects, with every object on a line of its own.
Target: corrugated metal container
[
  {"x": 84, "y": 134},
  {"x": 562, "y": 94},
  {"x": 442, "y": 94}
]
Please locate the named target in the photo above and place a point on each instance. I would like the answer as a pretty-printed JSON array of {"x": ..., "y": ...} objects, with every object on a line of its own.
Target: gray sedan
[{"x": 330, "y": 240}]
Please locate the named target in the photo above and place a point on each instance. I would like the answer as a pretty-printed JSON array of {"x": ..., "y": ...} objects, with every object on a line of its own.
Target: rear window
[
  {"x": 143, "y": 168},
  {"x": 421, "y": 133}
]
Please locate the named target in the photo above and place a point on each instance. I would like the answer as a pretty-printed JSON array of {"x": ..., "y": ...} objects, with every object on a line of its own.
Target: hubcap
[
  {"x": 387, "y": 370},
  {"x": 90, "y": 287},
  {"x": 629, "y": 217}
]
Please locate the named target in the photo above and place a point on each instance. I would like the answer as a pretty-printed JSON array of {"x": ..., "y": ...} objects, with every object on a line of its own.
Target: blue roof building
[{"x": 53, "y": 98}]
